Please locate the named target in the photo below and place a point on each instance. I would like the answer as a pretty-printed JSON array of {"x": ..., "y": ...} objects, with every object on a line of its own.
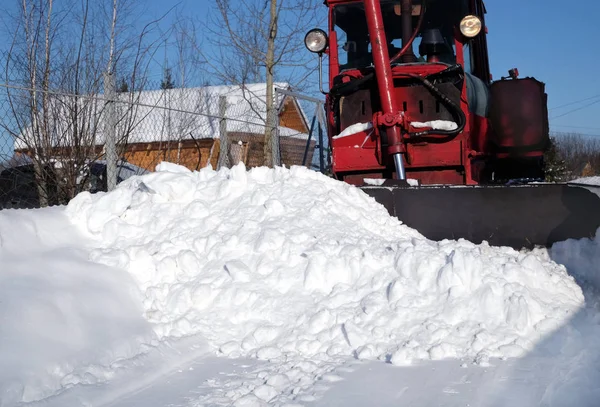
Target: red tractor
[{"x": 411, "y": 102}]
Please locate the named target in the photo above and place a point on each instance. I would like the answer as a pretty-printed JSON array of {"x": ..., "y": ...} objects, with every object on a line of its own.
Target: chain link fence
[
  {"x": 55, "y": 144},
  {"x": 310, "y": 133}
]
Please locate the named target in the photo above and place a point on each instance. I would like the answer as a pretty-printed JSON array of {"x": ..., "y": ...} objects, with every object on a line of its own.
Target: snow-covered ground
[
  {"x": 282, "y": 287},
  {"x": 588, "y": 180}
]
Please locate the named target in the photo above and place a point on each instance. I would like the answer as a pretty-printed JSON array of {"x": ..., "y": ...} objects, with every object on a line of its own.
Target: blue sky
[
  {"x": 542, "y": 38},
  {"x": 556, "y": 44}
]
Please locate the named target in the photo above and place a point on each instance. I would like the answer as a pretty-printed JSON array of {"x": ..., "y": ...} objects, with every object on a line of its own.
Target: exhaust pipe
[{"x": 407, "y": 31}]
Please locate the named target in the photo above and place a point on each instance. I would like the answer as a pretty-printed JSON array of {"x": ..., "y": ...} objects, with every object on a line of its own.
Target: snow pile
[
  {"x": 64, "y": 320},
  {"x": 581, "y": 257},
  {"x": 380, "y": 181},
  {"x": 436, "y": 125},
  {"x": 354, "y": 129},
  {"x": 281, "y": 263}
]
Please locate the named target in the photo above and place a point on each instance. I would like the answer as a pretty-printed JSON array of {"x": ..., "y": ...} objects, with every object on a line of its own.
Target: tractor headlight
[
  {"x": 470, "y": 26},
  {"x": 316, "y": 40}
]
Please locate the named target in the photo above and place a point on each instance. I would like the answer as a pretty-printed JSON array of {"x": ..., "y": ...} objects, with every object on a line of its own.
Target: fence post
[
  {"x": 321, "y": 158},
  {"x": 310, "y": 132},
  {"x": 110, "y": 147},
  {"x": 223, "y": 139},
  {"x": 323, "y": 150},
  {"x": 275, "y": 136}
]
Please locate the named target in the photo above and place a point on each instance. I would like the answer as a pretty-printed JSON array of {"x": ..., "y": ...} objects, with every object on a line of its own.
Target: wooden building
[{"x": 184, "y": 126}]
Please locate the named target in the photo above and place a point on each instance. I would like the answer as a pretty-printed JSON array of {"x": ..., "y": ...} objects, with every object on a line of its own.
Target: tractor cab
[{"x": 434, "y": 41}]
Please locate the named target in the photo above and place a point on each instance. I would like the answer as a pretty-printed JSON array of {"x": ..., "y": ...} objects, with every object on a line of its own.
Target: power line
[
  {"x": 575, "y": 102},
  {"x": 575, "y": 127},
  {"x": 577, "y": 109}
]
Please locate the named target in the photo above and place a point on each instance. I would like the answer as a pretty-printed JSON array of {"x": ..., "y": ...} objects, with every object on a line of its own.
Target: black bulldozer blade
[{"x": 518, "y": 216}]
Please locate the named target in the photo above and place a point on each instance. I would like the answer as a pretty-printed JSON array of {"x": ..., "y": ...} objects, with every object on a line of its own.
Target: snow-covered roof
[{"x": 184, "y": 113}]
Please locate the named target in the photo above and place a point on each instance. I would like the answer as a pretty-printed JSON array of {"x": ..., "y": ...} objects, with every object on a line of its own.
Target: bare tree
[
  {"x": 256, "y": 40},
  {"x": 187, "y": 42},
  {"x": 57, "y": 57},
  {"x": 32, "y": 43},
  {"x": 581, "y": 154},
  {"x": 179, "y": 107}
]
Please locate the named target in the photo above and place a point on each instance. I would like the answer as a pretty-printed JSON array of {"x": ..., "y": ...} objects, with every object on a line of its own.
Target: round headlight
[
  {"x": 470, "y": 26},
  {"x": 316, "y": 40}
]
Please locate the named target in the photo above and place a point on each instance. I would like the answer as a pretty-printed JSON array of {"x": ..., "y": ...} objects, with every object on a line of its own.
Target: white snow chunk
[
  {"x": 379, "y": 181},
  {"x": 436, "y": 124},
  {"x": 249, "y": 400},
  {"x": 265, "y": 392},
  {"x": 268, "y": 353},
  {"x": 165, "y": 166},
  {"x": 353, "y": 129},
  {"x": 374, "y": 181}
]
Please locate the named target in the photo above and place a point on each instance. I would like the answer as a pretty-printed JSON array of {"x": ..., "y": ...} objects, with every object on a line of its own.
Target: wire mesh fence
[
  {"x": 308, "y": 127},
  {"x": 55, "y": 144}
]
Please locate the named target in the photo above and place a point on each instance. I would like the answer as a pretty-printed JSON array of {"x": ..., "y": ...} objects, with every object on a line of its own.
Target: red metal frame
[
  {"x": 389, "y": 117},
  {"x": 358, "y": 156}
]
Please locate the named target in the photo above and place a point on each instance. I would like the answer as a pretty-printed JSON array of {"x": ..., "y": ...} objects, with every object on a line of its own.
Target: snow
[
  {"x": 299, "y": 284},
  {"x": 374, "y": 181},
  {"x": 587, "y": 180},
  {"x": 65, "y": 321},
  {"x": 295, "y": 268},
  {"x": 360, "y": 127},
  {"x": 581, "y": 256},
  {"x": 436, "y": 125},
  {"x": 354, "y": 129},
  {"x": 379, "y": 181}
]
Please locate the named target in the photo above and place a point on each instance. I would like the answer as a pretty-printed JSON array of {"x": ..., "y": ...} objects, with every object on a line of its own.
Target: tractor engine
[{"x": 411, "y": 96}]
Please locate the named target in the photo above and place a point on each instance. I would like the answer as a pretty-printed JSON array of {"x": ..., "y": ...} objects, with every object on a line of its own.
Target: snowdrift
[
  {"x": 63, "y": 320},
  {"x": 281, "y": 263}
]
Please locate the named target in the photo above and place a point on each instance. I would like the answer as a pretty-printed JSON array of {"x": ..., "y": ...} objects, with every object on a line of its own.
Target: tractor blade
[{"x": 518, "y": 216}]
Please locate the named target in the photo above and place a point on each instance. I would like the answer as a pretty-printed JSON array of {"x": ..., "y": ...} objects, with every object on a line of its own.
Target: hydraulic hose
[
  {"x": 458, "y": 114},
  {"x": 352, "y": 86}
]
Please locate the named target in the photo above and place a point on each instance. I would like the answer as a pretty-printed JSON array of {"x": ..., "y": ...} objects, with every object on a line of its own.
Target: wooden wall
[
  {"x": 291, "y": 117},
  {"x": 292, "y": 149},
  {"x": 245, "y": 147},
  {"x": 189, "y": 153}
]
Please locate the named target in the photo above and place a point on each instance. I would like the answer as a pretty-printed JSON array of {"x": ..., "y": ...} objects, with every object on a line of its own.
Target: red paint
[
  {"x": 356, "y": 152},
  {"x": 518, "y": 115},
  {"x": 479, "y": 134},
  {"x": 438, "y": 177},
  {"x": 516, "y": 127},
  {"x": 383, "y": 73}
]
